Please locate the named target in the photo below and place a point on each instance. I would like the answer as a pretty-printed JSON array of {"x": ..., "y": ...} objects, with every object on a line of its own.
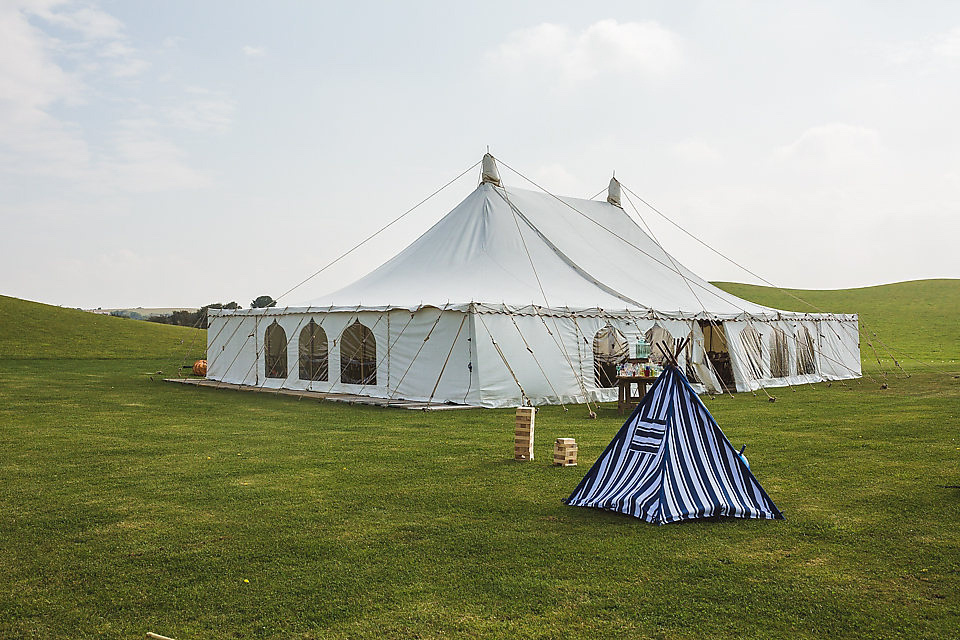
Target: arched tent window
[
  {"x": 358, "y": 355},
  {"x": 806, "y": 357},
  {"x": 654, "y": 336},
  {"x": 275, "y": 350},
  {"x": 779, "y": 354},
  {"x": 753, "y": 350},
  {"x": 313, "y": 353},
  {"x": 610, "y": 348}
]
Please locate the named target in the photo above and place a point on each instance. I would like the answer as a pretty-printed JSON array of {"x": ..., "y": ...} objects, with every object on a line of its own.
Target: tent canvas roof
[{"x": 518, "y": 248}]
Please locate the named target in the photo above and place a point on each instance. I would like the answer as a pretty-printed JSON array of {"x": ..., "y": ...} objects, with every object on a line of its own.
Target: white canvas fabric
[
  {"x": 499, "y": 303},
  {"x": 584, "y": 254}
]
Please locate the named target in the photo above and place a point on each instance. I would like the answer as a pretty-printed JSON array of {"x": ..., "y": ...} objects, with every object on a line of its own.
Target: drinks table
[{"x": 626, "y": 398}]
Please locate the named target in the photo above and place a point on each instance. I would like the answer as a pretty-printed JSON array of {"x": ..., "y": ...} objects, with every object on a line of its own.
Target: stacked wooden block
[
  {"x": 565, "y": 452},
  {"x": 523, "y": 436}
]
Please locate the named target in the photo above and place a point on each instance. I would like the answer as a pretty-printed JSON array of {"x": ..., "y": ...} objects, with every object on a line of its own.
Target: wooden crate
[
  {"x": 565, "y": 452},
  {"x": 523, "y": 433}
]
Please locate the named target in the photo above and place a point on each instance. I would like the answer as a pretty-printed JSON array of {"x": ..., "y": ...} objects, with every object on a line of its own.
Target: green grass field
[
  {"x": 130, "y": 505},
  {"x": 918, "y": 318}
]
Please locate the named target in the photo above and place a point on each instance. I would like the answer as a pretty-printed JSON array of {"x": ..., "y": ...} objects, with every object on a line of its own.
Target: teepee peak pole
[
  {"x": 672, "y": 355},
  {"x": 667, "y": 354}
]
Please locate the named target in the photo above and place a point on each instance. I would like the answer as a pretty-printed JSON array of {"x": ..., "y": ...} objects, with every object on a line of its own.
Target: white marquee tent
[{"x": 517, "y": 296}]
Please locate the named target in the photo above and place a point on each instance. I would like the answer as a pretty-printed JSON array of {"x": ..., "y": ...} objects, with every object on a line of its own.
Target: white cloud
[
  {"x": 101, "y": 43},
  {"x": 606, "y": 47},
  {"x": 128, "y": 68},
  {"x": 30, "y": 84},
  {"x": 948, "y": 44},
  {"x": 834, "y": 147},
  {"x": 695, "y": 151},
  {"x": 143, "y": 160},
  {"x": 123, "y": 59},
  {"x": 935, "y": 50},
  {"x": 28, "y": 77},
  {"x": 953, "y": 178},
  {"x": 42, "y": 76},
  {"x": 203, "y": 110},
  {"x": 254, "y": 52},
  {"x": 90, "y": 22},
  {"x": 557, "y": 179}
]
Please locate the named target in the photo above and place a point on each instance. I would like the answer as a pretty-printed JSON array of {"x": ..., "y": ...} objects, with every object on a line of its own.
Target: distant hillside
[
  {"x": 920, "y": 317},
  {"x": 40, "y": 331},
  {"x": 141, "y": 312}
]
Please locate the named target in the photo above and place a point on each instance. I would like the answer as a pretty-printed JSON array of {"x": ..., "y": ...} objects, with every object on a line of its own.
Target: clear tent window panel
[
  {"x": 314, "y": 360},
  {"x": 610, "y": 348},
  {"x": 806, "y": 356},
  {"x": 657, "y": 335},
  {"x": 275, "y": 350},
  {"x": 779, "y": 355},
  {"x": 753, "y": 350},
  {"x": 358, "y": 355}
]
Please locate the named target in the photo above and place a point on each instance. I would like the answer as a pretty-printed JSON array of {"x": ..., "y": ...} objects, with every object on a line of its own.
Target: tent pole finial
[
  {"x": 489, "y": 172},
  {"x": 613, "y": 192}
]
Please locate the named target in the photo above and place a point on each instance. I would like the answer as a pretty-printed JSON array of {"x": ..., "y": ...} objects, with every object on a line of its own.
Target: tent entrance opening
[{"x": 715, "y": 344}]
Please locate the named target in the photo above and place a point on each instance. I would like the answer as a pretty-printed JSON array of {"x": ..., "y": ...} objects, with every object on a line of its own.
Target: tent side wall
[
  {"x": 232, "y": 346},
  {"x": 502, "y": 358},
  {"x": 549, "y": 358},
  {"x": 839, "y": 352},
  {"x": 752, "y": 345},
  {"x": 423, "y": 355},
  {"x": 432, "y": 356},
  {"x": 518, "y": 357}
]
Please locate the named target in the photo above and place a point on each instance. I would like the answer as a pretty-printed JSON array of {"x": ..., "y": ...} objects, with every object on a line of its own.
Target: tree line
[{"x": 198, "y": 318}]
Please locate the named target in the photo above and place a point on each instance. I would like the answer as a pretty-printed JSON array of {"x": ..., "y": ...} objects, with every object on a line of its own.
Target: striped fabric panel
[
  {"x": 618, "y": 468},
  {"x": 647, "y": 437},
  {"x": 703, "y": 475},
  {"x": 671, "y": 462},
  {"x": 650, "y": 422}
]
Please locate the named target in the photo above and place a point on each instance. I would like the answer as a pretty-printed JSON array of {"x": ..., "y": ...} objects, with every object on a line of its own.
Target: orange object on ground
[{"x": 200, "y": 368}]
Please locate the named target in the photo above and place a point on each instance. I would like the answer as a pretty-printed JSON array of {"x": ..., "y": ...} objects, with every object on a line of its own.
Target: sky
[{"x": 182, "y": 153}]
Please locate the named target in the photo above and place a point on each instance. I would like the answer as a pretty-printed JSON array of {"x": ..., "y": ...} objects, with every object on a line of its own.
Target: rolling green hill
[
  {"x": 918, "y": 318},
  {"x": 31, "y": 330}
]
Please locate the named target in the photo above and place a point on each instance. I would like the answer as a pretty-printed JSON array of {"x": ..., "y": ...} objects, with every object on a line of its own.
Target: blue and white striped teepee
[{"x": 670, "y": 461}]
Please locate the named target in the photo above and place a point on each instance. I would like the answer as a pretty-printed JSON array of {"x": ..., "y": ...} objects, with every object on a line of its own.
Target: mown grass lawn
[{"x": 130, "y": 505}]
